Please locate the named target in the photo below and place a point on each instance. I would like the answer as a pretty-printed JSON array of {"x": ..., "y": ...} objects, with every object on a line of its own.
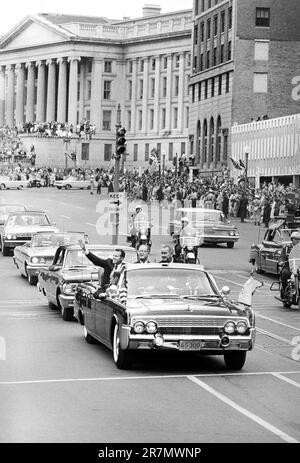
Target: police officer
[{"x": 286, "y": 273}]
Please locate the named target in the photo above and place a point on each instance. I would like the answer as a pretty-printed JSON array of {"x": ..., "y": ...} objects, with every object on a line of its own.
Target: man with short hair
[
  {"x": 167, "y": 256},
  {"x": 142, "y": 254}
]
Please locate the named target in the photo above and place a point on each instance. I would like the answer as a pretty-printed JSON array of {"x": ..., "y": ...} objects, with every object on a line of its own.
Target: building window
[
  {"x": 215, "y": 25},
  {"x": 146, "y": 151},
  {"x": 130, "y": 89},
  {"x": 262, "y": 17},
  {"x": 135, "y": 152},
  {"x": 188, "y": 60},
  {"x": 261, "y": 51},
  {"x": 107, "y": 90},
  {"x": 88, "y": 115},
  {"x": 163, "y": 118},
  {"x": 153, "y": 64},
  {"x": 260, "y": 82},
  {"x": 89, "y": 66},
  {"x": 208, "y": 59},
  {"x": 142, "y": 65},
  {"x": 151, "y": 119},
  {"x": 171, "y": 147},
  {"x": 227, "y": 82},
  {"x": 223, "y": 22},
  {"x": 177, "y": 61},
  {"x": 89, "y": 90},
  {"x": 78, "y": 91},
  {"x": 106, "y": 125},
  {"x": 222, "y": 54},
  {"x": 187, "y": 117},
  {"x": 107, "y": 152},
  {"x": 107, "y": 66},
  {"x": 202, "y": 5},
  {"x": 202, "y": 32},
  {"x": 206, "y": 89},
  {"x": 208, "y": 25},
  {"x": 165, "y": 63},
  {"x": 152, "y": 89},
  {"x": 201, "y": 62},
  {"x": 140, "y": 114},
  {"x": 85, "y": 151},
  {"x": 176, "y": 86},
  {"x": 229, "y": 50},
  {"x": 199, "y": 91},
  {"x": 141, "y": 87},
  {"x": 212, "y": 86},
  {"x": 220, "y": 85},
  {"x": 164, "y": 87},
  {"x": 208, "y": 4},
  {"x": 195, "y": 35},
  {"x": 215, "y": 57},
  {"x": 229, "y": 18},
  {"x": 129, "y": 120},
  {"x": 130, "y": 67},
  {"x": 175, "y": 113}
]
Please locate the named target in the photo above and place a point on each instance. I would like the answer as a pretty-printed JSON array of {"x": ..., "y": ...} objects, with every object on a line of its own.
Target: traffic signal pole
[{"x": 120, "y": 149}]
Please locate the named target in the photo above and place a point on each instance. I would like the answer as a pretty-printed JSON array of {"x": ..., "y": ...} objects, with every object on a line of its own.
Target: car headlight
[
  {"x": 229, "y": 328},
  {"x": 11, "y": 236},
  {"x": 69, "y": 288},
  {"x": 34, "y": 260},
  {"x": 151, "y": 327},
  {"x": 241, "y": 327},
  {"x": 232, "y": 233},
  {"x": 139, "y": 327}
]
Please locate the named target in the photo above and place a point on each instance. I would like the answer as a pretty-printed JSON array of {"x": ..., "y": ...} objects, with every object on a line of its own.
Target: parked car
[
  {"x": 7, "y": 184},
  {"x": 167, "y": 307},
  {"x": 70, "y": 266},
  {"x": 265, "y": 256},
  {"x": 5, "y": 209},
  {"x": 211, "y": 225},
  {"x": 72, "y": 182},
  {"x": 37, "y": 254},
  {"x": 20, "y": 226}
]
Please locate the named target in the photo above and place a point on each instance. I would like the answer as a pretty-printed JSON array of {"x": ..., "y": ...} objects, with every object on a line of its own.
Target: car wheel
[
  {"x": 67, "y": 313},
  {"x": 230, "y": 245},
  {"x": 287, "y": 304},
  {"x": 122, "y": 358},
  {"x": 59, "y": 187},
  {"x": 4, "y": 249},
  {"x": 88, "y": 338},
  {"x": 51, "y": 306},
  {"x": 2, "y": 186},
  {"x": 20, "y": 187},
  {"x": 235, "y": 360},
  {"x": 68, "y": 187}
]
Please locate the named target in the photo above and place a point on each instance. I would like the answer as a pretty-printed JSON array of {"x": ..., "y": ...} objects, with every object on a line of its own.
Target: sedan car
[
  {"x": 210, "y": 224},
  {"x": 20, "y": 226},
  {"x": 166, "y": 307},
  {"x": 33, "y": 256},
  {"x": 5, "y": 209},
  {"x": 70, "y": 266},
  {"x": 265, "y": 256},
  {"x": 72, "y": 182},
  {"x": 6, "y": 183}
]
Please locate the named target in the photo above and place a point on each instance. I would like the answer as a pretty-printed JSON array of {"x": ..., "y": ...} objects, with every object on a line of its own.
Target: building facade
[
  {"x": 65, "y": 68},
  {"x": 244, "y": 58}
]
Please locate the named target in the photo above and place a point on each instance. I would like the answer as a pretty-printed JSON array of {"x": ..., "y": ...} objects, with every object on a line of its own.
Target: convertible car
[
  {"x": 38, "y": 254},
  {"x": 210, "y": 225},
  {"x": 70, "y": 267},
  {"x": 6, "y": 209},
  {"x": 7, "y": 184},
  {"x": 20, "y": 226},
  {"x": 72, "y": 182},
  {"x": 265, "y": 256},
  {"x": 170, "y": 307}
]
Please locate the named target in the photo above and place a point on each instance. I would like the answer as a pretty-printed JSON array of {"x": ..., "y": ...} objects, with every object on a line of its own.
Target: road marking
[
  {"x": 91, "y": 224},
  {"x": 244, "y": 411},
  {"x": 276, "y": 321},
  {"x": 131, "y": 378},
  {"x": 287, "y": 380},
  {"x": 65, "y": 216},
  {"x": 275, "y": 336}
]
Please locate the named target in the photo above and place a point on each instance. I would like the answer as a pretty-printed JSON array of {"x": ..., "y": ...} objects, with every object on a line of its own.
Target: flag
[
  {"x": 153, "y": 158},
  {"x": 248, "y": 289},
  {"x": 242, "y": 164},
  {"x": 236, "y": 164}
]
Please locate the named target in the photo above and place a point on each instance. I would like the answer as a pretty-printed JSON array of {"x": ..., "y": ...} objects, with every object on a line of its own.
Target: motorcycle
[
  {"x": 35, "y": 183},
  {"x": 140, "y": 233},
  {"x": 189, "y": 249},
  {"x": 290, "y": 295}
]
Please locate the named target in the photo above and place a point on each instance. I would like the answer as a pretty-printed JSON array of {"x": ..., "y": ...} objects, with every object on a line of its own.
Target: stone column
[
  {"x": 133, "y": 96},
  {"x": 51, "y": 91},
  {"x": 20, "y": 93},
  {"x": 181, "y": 86},
  {"x": 157, "y": 93},
  {"x": 10, "y": 96},
  {"x": 73, "y": 79},
  {"x": 96, "y": 96},
  {"x": 145, "y": 95},
  {"x": 62, "y": 91},
  {"x": 30, "y": 92},
  {"x": 169, "y": 95},
  {"x": 2, "y": 95},
  {"x": 41, "y": 92}
]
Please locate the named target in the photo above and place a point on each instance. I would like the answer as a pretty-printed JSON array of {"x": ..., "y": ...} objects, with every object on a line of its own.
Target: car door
[
  {"x": 52, "y": 275},
  {"x": 271, "y": 248},
  {"x": 89, "y": 313},
  {"x": 265, "y": 250}
]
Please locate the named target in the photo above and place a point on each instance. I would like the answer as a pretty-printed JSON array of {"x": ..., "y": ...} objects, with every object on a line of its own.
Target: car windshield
[
  {"x": 208, "y": 215},
  {"x": 75, "y": 257},
  {"x": 4, "y": 210},
  {"x": 27, "y": 220},
  {"x": 55, "y": 239},
  {"x": 169, "y": 281}
]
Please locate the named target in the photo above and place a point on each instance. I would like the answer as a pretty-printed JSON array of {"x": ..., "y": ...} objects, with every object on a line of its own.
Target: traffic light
[{"x": 120, "y": 142}]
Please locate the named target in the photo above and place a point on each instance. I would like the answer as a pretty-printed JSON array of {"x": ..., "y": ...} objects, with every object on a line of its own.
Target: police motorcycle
[
  {"x": 140, "y": 231},
  {"x": 186, "y": 245},
  {"x": 290, "y": 295}
]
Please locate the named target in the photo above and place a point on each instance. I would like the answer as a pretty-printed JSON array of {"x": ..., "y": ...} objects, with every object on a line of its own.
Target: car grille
[
  {"x": 24, "y": 236},
  {"x": 189, "y": 330},
  {"x": 192, "y": 321}
]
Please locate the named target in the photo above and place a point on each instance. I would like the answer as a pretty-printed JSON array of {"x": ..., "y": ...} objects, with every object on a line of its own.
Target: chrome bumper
[{"x": 66, "y": 301}]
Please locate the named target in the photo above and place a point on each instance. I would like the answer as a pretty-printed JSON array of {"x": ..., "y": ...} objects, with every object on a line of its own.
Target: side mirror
[
  {"x": 275, "y": 286},
  {"x": 225, "y": 291}
]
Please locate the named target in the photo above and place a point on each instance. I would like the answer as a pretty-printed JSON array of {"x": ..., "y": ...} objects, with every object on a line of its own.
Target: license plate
[{"x": 190, "y": 345}]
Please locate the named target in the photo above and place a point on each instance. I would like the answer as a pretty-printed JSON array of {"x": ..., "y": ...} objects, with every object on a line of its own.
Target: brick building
[{"x": 245, "y": 56}]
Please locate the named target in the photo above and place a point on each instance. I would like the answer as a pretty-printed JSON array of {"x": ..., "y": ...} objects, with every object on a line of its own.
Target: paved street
[{"x": 56, "y": 388}]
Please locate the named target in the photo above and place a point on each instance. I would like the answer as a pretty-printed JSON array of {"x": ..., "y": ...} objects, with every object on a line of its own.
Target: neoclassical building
[{"x": 66, "y": 68}]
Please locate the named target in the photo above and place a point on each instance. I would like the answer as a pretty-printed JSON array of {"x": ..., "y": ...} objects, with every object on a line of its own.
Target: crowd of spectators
[
  {"x": 83, "y": 130},
  {"x": 12, "y": 148}
]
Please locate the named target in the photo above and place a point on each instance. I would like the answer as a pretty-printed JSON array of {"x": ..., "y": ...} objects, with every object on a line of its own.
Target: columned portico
[
  {"x": 169, "y": 94},
  {"x": 51, "y": 90},
  {"x": 10, "y": 95},
  {"x": 73, "y": 79},
  {"x": 157, "y": 92},
  {"x": 62, "y": 90},
  {"x": 20, "y": 69},
  {"x": 30, "y": 92},
  {"x": 2, "y": 95},
  {"x": 41, "y": 92},
  {"x": 96, "y": 94}
]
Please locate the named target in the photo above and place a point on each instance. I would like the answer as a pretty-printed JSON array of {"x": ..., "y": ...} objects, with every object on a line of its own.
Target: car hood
[
  {"x": 30, "y": 229},
  {"x": 177, "y": 307},
  {"x": 39, "y": 250}
]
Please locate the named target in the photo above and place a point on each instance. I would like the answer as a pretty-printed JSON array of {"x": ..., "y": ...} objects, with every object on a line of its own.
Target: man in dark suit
[
  {"x": 142, "y": 254},
  {"x": 112, "y": 266},
  {"x": 167, "y": 256}
]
